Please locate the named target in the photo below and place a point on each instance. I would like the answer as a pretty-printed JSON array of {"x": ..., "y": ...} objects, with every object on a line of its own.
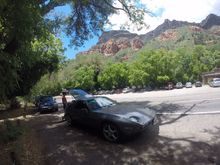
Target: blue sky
[{"x": 71, "y": 51}]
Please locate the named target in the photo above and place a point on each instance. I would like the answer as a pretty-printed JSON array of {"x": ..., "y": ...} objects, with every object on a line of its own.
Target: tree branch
[
  {"x": 51, "y": 5},
  {"x": 118, "y": 8}
]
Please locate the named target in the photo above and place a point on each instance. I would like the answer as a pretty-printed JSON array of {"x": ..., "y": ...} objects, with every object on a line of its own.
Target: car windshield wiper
[{"x": 109, "y": 105}]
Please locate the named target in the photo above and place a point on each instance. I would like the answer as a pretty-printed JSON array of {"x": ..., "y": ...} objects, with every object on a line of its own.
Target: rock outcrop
[
  {"x": 112, "y": 46},
  {"x": 210, "y": 21}
]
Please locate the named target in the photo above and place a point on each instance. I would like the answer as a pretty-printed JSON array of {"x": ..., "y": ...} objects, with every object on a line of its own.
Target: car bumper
[
  {"x": 47, "y": 108},
  {"x": 133, "y": 129}
]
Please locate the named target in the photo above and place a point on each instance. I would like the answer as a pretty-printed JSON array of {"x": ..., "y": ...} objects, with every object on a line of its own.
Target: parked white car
[
  {"x": 127, "y": 90},
  {"x": 215, "y": 82},
  {"x": 58, "y": 99},
  {"x": 188, "y": 85}
]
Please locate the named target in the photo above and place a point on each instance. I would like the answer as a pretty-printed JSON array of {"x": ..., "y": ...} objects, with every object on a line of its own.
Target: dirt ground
[{"x": 65, "y": 145}]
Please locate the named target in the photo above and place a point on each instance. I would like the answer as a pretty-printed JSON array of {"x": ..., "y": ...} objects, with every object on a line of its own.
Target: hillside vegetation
[{"x": 149, "y": 68}]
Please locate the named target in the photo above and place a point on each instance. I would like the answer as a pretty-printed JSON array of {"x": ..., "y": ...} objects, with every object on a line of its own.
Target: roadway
[{"x": 205, "y": 100}]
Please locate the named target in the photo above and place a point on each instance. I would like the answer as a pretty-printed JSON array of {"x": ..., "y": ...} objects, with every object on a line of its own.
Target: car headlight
[{"x": 134, "y": 119}]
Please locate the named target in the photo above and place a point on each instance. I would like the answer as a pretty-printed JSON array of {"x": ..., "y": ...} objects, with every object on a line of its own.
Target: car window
[
  {"x": 99, "y": 102},
  {"x": 103, "y": 102},
  {"x": 93, "y": 105}
]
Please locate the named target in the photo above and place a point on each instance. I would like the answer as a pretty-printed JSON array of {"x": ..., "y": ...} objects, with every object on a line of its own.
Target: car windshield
[
  {"x": 100, "y": 102},
  {"x": 78, "y": 92},
  {"x": 47, "y": 99}
]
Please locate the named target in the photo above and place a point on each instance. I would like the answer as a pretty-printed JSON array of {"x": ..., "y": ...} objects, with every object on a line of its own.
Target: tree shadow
[
  {"x": 5, "y": 114},
  {"x": 170, "y": 119}
]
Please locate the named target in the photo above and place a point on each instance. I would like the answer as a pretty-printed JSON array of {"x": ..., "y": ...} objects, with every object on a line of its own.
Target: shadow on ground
[
  {"x": 65, "y": 145},
  {"x": 5, "y": 114}
]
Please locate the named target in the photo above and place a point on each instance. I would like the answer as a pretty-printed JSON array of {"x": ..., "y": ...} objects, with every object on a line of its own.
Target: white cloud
[{"x": 184, "y": 10}]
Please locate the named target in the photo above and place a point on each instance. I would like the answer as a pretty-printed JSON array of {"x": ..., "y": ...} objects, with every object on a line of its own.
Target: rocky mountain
[
  {"x": 210, "y": 21},
  {"x": 164, "y": 27},
  {"x": 116, "y": 34},
  {"x": 111, "y": 42}
]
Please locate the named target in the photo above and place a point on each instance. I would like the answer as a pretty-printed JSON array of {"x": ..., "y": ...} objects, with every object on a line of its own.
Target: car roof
[
  {"x": 91, "y": 97},
  {"x": 43, "y": 96}
]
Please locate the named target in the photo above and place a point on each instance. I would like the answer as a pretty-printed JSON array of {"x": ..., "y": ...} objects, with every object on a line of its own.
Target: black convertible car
[{"x": 114, "y": 119}]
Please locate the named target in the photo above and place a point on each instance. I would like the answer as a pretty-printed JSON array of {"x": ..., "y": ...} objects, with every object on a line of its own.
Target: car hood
[{"x": 126, "y": 110}]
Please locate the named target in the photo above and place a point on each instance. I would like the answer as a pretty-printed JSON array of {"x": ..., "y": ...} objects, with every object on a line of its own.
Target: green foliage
[
  {"x": 122, "y": 55},
  {"x": 27, "y": 50},
  {"x": 48, "y": 85},
  {"x": 79, "y": 73},
  {"x": 114, "y": 76},
  {"x": 84, "y": 78},
  {"x": 184, "y": 37},
  {"x": 149, "y": 68},
  {"x": 139, "y": 72},
  {"x": 163, "y": 80}
]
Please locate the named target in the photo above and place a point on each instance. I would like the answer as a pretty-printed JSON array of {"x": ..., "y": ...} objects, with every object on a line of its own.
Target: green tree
[
  {"x": 84, "y": 78},
  {"x": 216, "y": 55},
  {"x": 49, "y": 84},
  {"x": 114, "y": 76},
  {"x": 203, "y": 61},
  {"x": 139, "y": 74}
]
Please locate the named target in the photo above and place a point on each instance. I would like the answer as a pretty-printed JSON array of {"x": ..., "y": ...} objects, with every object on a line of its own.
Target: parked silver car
[
  {"x": 215, "y": 82},
  {"x": 188, "y": 85},
  {"x": 179, "y": 85}
]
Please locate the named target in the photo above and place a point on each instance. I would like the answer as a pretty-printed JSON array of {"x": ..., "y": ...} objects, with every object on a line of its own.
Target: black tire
[
  {"x": 111, "y": 132},
  {"x": 68, "y": 119},
  {"x": 55, "y": 109},
  {"x": 40, "y": 110}
]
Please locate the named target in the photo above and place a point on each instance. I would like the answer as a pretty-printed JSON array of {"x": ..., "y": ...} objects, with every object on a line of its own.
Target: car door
[
  {"x": 81, "y": 113},
  {"x": 87, "y": 116}
]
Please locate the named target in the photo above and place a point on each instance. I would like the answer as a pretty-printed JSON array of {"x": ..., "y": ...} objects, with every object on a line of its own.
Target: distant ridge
[
  {"x": 111, "y": 42},
  {"x": 211, "y": 20}
]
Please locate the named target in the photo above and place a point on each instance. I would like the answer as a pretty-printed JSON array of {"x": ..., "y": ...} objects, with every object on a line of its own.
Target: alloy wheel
[{"x": 110, "y": 132}]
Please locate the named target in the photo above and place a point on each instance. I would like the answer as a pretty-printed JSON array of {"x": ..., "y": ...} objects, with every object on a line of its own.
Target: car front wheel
[
  {"x": 68, "y": 119},
  {"x": 110, "y": 132}
]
